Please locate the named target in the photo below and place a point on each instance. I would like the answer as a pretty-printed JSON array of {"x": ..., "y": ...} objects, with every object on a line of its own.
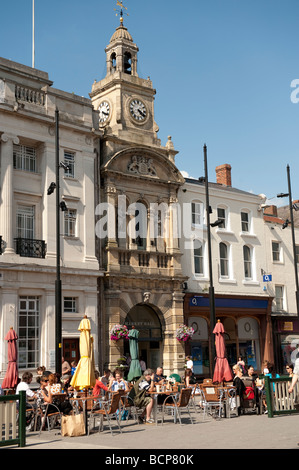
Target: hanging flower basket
[
  {"x": 119, "y": 332},
  {"x": 184, "y": 332}
]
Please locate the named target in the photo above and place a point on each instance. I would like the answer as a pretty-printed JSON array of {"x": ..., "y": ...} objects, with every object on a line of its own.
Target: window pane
[
  {"x": 24, "y": 158},
  {"x": 245, "y": 221},
  {"x": 69, "y": 160},
  {"x": 196, "y": 213},
  {"x": 28, "y": 331},
  {"x": 276, "y": 251},
  {"x": 223, "y": 260}
]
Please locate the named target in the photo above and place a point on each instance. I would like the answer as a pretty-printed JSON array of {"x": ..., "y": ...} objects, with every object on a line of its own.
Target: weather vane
[{"x": 120, "y": 12}]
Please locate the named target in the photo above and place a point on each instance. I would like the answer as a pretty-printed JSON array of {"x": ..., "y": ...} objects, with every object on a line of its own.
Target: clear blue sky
[{"x": 222, "y": 70}]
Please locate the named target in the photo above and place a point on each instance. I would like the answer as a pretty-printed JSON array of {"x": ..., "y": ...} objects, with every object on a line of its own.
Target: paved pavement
[{"x": 248, "y": 431}]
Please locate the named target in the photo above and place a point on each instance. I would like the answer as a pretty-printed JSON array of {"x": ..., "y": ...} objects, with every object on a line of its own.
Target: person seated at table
[
  {"x": 105, "y": 379},
  {"x": 53, "y": 385},
  {"x": 290, "y": 369},
  {"x": 252, "y": 373},
  {"x": 239, "y": 384},
  {"x": 189, "y": 380},
  {"x": 138, "y": 394},
  {"x": 24, "y": 386},
  {"x": 117, "y": 382},
  {"x": 44, "y": 396},
  {"x": 159, "y": 377},
  {"x": 66, "y": 385},
  {"x": 99, "y": 386}
]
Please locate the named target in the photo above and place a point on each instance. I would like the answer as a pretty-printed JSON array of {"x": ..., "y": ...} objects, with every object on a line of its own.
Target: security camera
[
  {"x": 51, "y": 188},
  {"x": 64, "y": 165}
]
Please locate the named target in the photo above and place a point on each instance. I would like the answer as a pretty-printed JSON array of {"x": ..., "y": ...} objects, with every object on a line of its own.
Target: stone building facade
[
  {"x": 142, "y": 284},
  {"x": 28, "y": 216}
]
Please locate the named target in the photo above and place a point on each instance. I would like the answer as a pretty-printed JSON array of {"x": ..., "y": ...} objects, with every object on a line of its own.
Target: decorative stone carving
[
  {"x": 146, "y": 297},
  {"x": 140, "y": 165}
]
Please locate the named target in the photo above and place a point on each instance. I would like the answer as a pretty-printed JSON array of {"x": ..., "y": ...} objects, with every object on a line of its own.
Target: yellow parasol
[{"x": 84, "y": 375}]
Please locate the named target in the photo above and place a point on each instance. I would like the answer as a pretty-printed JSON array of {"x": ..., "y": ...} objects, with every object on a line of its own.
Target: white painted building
[
  {"x": 28, "y": 215},
  {"x": 238, "y": 263},
  {"x": 282, "y": 287}
]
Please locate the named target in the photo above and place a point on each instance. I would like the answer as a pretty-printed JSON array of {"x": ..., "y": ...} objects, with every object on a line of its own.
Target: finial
[{"x": 120, "y": 12}]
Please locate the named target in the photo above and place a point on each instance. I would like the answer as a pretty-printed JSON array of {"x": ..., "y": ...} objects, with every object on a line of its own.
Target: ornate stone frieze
[{"x": 141, "y": 165}]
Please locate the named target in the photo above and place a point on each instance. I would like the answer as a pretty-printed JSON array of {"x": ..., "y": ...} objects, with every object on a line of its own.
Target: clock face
[
  {"x": 138, "y": 110},
  {"x": 104, "y": 112}
]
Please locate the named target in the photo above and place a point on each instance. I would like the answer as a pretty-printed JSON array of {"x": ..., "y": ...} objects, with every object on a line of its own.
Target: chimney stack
[
  {"x": 271, "y": 210},
  {"x": 223, "y": 174}
]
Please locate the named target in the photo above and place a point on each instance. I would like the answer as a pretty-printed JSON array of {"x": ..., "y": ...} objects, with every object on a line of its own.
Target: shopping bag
[{"x": 72, "y": 425}]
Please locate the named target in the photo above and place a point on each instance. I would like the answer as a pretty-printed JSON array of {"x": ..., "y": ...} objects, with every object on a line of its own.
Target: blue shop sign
[{"x": 200, "y": 301}]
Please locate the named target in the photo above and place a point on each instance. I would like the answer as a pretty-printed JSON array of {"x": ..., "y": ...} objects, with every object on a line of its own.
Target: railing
[
  {"x": 162, "y": 261},
  {"x": 1, "y": 245},
  {"x": 124, "y": 258},
  {"x": 143, "y": 259},
  {"x": 279, "y": 400},
  {"x": 30, "y": 95},
  {"x": 12, "y": 421},
  {"x": 30, "y": 248}
]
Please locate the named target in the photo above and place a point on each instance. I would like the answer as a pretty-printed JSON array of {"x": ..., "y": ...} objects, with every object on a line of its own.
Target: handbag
[{"x": 72, "y": 425}]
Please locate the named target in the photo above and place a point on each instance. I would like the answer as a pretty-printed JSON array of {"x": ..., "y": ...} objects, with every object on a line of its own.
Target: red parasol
[
  {"x": 222, "y": 370},
  {"x": 11, "y": 376}
]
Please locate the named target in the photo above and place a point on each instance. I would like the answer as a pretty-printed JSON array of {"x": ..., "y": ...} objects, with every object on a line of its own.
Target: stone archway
[{"x": 145, "y": 319}]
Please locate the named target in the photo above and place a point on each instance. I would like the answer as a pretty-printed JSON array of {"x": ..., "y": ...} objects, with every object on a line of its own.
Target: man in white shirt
[
  {"x": 189, "y": 363},
  {"x": 24, "y": 385}
]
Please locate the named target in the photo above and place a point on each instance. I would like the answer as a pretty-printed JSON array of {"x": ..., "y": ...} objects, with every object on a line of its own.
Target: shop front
[
  {"x": 247, "y": 328},
  {"x": 286, "y": 340}
]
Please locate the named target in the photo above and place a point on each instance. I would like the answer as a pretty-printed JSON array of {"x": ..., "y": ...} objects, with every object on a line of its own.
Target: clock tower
[
  {"x": 124, "y": 100},
  {"x": 143, "y": 281}
]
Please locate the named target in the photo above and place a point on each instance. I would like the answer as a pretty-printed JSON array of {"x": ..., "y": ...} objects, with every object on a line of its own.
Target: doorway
[
  {"x": 146, "y": 321},
  {"x": 70, "y": 350}
]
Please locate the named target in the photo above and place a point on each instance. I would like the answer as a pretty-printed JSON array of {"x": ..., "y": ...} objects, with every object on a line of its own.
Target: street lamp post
[
  {"x": 291, "y": 207},
  {"x": 59, "y": 206},
  {"x": 211, "y": 288},
  {"x": 58, "y": 315}
]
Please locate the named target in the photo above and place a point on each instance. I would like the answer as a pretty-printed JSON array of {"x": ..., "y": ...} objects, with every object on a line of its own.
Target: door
[{"x": 71, "y": 350}]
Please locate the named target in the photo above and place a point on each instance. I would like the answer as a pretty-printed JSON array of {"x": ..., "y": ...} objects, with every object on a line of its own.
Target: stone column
[{"x": 7, "y": 142}]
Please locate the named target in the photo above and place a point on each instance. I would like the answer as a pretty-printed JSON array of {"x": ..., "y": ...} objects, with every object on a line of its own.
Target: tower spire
[{"x": 120, "y": 12}]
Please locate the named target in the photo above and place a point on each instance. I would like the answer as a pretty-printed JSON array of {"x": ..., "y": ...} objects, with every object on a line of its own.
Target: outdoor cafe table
[
  {"x": 155, "y": 396},
  {"x": 226, "y": 397}
]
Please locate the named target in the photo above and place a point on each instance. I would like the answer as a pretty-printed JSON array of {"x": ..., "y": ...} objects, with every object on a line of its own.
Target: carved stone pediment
[{"x": 140, "y": 165}]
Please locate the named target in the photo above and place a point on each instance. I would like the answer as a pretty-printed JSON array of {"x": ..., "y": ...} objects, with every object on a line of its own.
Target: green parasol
[{"x": 135, "y": 369}]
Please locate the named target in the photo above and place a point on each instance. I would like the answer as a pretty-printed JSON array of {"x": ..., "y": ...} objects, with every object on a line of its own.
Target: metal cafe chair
[
  {"x": 105, "y": 409},
  {"x": 178, "y": 404},
  {"x": 49, "y": 415},
  {"x": 212, "y": 401}
]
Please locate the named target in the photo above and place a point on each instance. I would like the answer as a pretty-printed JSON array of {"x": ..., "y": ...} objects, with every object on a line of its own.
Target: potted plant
[
  {"x": 119, "y": 332},
  {"x": 184, "y": 332}
]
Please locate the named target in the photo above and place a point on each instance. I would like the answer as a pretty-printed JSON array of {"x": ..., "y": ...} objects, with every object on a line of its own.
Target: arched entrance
[{"x": 147, "y": 322}]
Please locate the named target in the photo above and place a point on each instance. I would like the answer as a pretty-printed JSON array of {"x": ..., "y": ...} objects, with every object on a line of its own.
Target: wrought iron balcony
[{"x": 30, "y": 248}]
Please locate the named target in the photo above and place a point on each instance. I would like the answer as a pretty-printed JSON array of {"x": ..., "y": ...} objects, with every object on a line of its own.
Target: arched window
[
  {"x": 141, "y": 225},
  {"x": 113, "y": 62},
  {"x": 247, "y": 257},
  {"x": 127, "y": 63},
  {"x": 224, "y": 260}
]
